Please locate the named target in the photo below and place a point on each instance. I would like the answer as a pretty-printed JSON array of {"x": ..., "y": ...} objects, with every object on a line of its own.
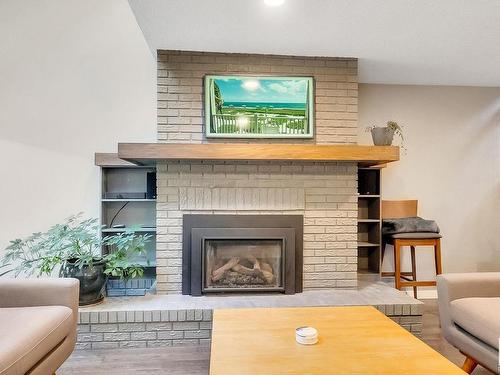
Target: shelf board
[
  {"x": 127, "y": 200},
  {"x": 369, "y": 196},
  {"x": 150, "y": 153},
  {"x": 368, "y": 221},
  {"x": 121, "y": 230},
  {"x": 367, "y": 244}
]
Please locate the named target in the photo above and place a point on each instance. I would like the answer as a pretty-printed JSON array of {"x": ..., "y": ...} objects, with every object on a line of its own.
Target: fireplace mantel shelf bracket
[{"x": 150, "y": 153}]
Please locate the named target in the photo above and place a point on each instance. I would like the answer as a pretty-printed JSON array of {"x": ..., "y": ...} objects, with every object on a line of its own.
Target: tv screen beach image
[{"x": 258, "y": 106}]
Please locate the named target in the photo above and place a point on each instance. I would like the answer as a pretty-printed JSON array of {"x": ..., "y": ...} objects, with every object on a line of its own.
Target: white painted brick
[
  {"x": 116, "y": 336},
  {"x": 83, "y": 328},
  {"x": 182, "y": 326},
  {"x": 90, "y": 337},
  {"x": 170, "y": 335},
  {"x": 104, "y": 327},
  {"x": 132, "y": 344},
  {"x": 330, "y": 188},
  {"x": 156, "y": 316},
  {"x": 330, "y": 237},
  {"x": 83, "y": 346},
  {"x": 163, "y": 326},
  {"x": 131, "y": 327},
  {"x": 158, "y": 343},
  {"x": 199, "y": 334},
  {"x": 143, "y": 336}
]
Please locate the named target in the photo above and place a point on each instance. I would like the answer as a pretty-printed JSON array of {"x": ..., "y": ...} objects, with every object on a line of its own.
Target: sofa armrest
[
  {"x": 40, "y": 292},
  {"x": 453, "y": 286}
]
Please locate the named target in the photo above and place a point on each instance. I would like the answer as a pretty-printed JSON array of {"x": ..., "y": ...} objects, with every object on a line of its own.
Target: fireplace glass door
[{"x": 250, "y": 264}]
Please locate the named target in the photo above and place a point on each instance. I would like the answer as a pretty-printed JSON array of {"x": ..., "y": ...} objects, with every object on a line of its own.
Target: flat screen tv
[{"x": 259, "y": 107}]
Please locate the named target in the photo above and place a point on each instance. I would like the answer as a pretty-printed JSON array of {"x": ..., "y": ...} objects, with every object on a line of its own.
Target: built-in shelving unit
[
  {"x": 123, "y": 209},
  {"x": 369, "y": 219}
]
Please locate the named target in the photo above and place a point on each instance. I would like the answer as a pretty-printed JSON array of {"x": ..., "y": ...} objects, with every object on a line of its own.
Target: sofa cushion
[
  {"x": 28, "y": 334},
  {"x": 479, "y": 317}
]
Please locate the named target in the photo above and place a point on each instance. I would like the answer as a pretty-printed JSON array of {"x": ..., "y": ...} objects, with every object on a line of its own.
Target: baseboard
[{"x": 423, "y": 293}]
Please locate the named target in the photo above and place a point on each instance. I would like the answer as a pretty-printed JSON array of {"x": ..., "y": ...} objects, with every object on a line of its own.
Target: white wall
[
  {"x": 76, "y": 77},
  {"x": 452, "y": 166}
]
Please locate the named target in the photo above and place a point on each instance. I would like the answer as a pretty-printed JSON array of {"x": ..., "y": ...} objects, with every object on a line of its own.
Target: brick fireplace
[
  {"x": 325, "y": 194},
  {"x": 256, "y": 185}
]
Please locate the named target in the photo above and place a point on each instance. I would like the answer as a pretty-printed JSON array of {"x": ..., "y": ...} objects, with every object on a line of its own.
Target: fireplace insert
[{"x": 237, "y": 255}]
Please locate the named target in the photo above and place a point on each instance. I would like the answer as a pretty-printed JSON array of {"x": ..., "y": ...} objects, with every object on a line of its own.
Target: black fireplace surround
[{"x": 278, "y": 239}]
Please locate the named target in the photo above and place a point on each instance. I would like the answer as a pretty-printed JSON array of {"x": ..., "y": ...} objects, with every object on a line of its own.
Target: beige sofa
[
  {"x": 469, "y": 310},
  {"x": 38, "y": 320}
]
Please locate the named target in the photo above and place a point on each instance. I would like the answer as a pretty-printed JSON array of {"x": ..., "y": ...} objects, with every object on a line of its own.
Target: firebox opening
[{"x": 248, "y": 264}]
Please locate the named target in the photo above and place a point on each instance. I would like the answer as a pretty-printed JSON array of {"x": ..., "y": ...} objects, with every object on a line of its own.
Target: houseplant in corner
[
  {"x": 383, "y": 136},
  {"x": 76, "y": 246}
]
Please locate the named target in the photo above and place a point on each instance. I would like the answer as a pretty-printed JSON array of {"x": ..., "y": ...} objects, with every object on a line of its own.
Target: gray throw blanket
[{"x": 408, "y": 225}]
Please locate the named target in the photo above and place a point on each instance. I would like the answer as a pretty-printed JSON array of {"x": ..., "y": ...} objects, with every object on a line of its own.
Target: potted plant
[
  {"x": 76, "y": 246},
  {"x": 383, "y": 136}
]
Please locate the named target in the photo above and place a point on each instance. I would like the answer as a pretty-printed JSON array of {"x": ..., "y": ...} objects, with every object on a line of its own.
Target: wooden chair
[{"x": 400, "y": 209}]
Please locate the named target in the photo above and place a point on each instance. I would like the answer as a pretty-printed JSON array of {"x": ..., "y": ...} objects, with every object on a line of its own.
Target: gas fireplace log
[
  {"x": 265, "y": 275},
  {"x": 260, "y": 269},
  {"x": 255, "y": 261},
  {"x": 267, "y": 272},
  {"x": 245, "y": 270},
  {"x": 219, "y": 273},
  {"x": 268, "y": 276},
  {"x": 266, "y": 267}
]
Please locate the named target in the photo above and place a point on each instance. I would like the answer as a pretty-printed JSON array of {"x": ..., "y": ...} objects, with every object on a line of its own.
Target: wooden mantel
[{"x": 148, "y": 153}]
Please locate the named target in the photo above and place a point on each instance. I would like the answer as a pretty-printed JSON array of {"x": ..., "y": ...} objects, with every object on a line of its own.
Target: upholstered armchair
[
  {"x": 469, "y": 310},
  {"x": 38, "y": 319}
]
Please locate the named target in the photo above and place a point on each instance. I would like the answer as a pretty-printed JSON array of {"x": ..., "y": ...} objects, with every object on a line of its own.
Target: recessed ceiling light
[{"x": 274, "y": 3}]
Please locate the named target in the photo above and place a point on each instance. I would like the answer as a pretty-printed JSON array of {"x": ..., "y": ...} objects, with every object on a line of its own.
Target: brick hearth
[{"x": 174, "y": 320}]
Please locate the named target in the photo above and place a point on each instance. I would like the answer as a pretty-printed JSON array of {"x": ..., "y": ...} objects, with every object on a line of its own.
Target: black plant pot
[{"x": 92, "y": 280}]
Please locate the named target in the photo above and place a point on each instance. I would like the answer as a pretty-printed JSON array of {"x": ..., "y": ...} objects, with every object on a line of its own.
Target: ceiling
[{"x": 434, "y": 42}]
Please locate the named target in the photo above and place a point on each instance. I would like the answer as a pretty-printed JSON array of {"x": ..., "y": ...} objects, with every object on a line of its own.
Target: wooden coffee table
[{"x": 352, "y": 340}]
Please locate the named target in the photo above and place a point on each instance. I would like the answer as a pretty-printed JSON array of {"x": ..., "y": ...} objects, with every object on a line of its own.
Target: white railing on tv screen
[{"x": 258, "y": 124}]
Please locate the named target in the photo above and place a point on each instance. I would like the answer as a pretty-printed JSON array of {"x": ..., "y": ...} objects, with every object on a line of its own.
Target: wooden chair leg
[
  {"x": 397, "y": 264},
  {"x": 469, "y": 365},
  {"x": 437, "y": 257},
  {"x": 413, "y": 269}
]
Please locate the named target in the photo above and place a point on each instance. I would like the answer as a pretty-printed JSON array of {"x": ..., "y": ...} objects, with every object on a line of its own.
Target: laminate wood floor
[
  {"x": 190, "y": 360},
  {"x": 195, "y": 360}
]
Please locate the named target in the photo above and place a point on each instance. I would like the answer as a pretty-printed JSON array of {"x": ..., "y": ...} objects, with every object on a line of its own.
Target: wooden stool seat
[
  {"x": 398, "y": 209},
  {"x": 415, "y": 236}
]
